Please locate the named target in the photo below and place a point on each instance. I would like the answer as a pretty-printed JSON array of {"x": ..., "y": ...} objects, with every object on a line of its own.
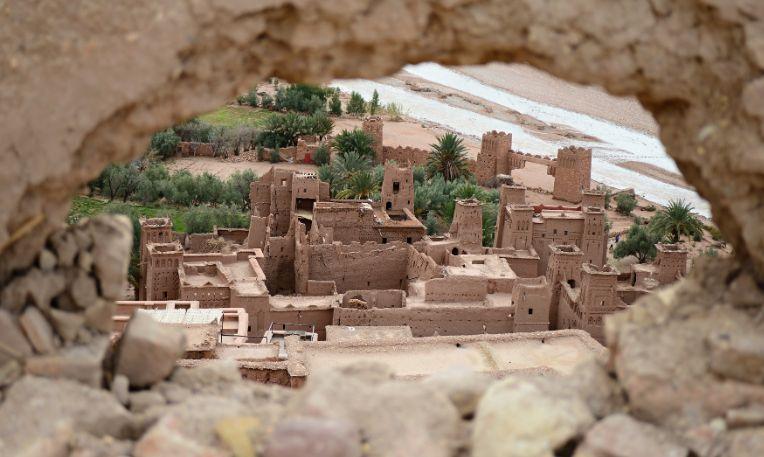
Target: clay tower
[
  {"x": 398, "y": 189},
  {"x": 493, "y": 157},
  {"x": 373, "y": 125},
  {"x": 153, "y": 230},
  {"x": 467, "y": 224},
  {"x": 573, "y": 173}
]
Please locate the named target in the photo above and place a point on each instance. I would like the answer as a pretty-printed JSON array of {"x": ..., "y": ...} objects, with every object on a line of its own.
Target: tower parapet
[
  {"x": 572, "y": 174},
  {"x": 467, "y": 224},
  {"x": 373, "y": 125},
  {"x": 493, "y": 157}
]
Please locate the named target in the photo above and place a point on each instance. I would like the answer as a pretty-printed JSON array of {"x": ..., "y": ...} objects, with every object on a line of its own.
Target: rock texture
[
  {"x": 89, "y": 85},
  {"x": 112, "y": 75}
]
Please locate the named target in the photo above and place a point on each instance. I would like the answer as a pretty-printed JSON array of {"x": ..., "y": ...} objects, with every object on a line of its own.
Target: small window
[
  {"x": 389, "y": 205},
  {"x": 408, "y": 240},
  {"x": 283, "y": 183},
  {"x": 384, "y": 240},
  {"x": 396, "y": 187},
  {"x": 566, "y": 232},
  {"x": 455, "y": 251},
  {"x": 555, "y": 232},
  {"x": 530, "y": 311}
]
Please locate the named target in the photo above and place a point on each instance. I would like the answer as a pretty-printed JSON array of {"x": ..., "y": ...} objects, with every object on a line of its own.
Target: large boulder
[
  {"x": 35, "y": 408},
  {"x": 527, "y": 417},
  {"x": 148, "y": 350}
]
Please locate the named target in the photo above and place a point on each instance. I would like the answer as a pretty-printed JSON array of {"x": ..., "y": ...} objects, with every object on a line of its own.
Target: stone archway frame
[{"x": 82, "y": 87}]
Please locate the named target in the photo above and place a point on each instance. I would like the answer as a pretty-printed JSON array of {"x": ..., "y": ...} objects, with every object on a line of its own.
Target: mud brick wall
[
  {"x": 360, "y": 266},
  {"x": 428, "y": 321},
  {"x": 456, "y": 289},
  {"x": 405, "y": 155}
]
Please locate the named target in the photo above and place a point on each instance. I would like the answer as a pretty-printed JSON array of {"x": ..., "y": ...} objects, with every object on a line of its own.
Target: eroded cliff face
[{"x": 84, "y": 86}]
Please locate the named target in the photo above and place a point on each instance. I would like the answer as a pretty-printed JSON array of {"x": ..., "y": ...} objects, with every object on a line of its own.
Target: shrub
[
  {"x": 639, "y": 242},
  {"x": 266, "y": 101},
  {"x": 335, "y": 106},
  {"x": 260, "y": 153},
  {"x": 625, "y": 203},
  {"x": 305, "y": 98},
  {"x": 321, "y": 156},
  {"x": 201, "y": 219},
  {"x": 194, "y": 130},
  {"x": 250, "y": 99},
  {"x": 165, "y": 143},
  {"x": 154, "y": 184},
  {"x": 356, "y": 141},
  {"x": 275, "y": 156},
  {"x": 374, "y": 105},
  {"x": 395, "y": 112},
  {"x": 711, "y": 252},
  {"x": 228, "y": 142},
  {"x": 237, "y": 188},
  {"x": 715, "y": 233},
  {"x": 649, "y": 208},
  {"x": 120, "y": 181},
  {"x": 420, "y": 174},
  {"x": 356, "y": 105}
]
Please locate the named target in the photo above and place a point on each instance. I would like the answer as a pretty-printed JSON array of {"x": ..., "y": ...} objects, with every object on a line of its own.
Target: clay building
[
  {"x": 571, "y": 168},
  {"x": 572, "y": 174},
  {"x": 307, "y": 262},
  {"x": 527, "y": 227}
]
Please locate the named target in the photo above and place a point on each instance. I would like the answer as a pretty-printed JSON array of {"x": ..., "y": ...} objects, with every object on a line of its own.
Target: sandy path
[{"x": 537, "y": 85}]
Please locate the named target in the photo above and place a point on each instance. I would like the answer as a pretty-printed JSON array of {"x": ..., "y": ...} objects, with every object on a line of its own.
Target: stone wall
[{"x": 405, "y": 155}]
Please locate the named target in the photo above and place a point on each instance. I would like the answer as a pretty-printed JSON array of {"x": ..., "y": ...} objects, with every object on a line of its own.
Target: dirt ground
[{"x": 223, "y": 169}]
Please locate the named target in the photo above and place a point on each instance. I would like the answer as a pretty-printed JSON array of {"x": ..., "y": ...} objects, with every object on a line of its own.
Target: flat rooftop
[
  {"x": 411, "y": 358},
  {"x": 487, "y": 266},
  {"x": 305, "y": 301},
  {"x": 340, "y": 333}
]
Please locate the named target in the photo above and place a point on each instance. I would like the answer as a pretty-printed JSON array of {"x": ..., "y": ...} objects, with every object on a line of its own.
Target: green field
[
  {"x": 231, "y": 116},
  {"x": 83, "y": 206}
]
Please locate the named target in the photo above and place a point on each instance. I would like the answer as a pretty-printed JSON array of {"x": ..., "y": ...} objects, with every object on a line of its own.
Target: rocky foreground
[{"x": 685, "y": 376}]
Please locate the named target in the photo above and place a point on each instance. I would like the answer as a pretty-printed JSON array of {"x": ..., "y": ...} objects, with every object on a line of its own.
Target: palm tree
[
  {"x": 355, "y": 140},
  {"x": 448, "y": 157},
  {"x": 361, "y": 185},
  {"x": 346, "y": 165},
  {"x": 676, "y": 220}
]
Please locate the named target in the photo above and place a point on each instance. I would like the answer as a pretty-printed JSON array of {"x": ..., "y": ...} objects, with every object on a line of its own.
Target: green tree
[
  {"x": 165, "y": 143},
  {"x": 320, "y": 124},
  {"x": 625, "y": 203},
  {"x": 448, "y": 157},
  {"x": 374, "y": 105},
  {"x": 282, "y": 131},
  {"x": 675, "y": 221},
  {"x": 356, "y": 105},
  {"x": 346, "y": 165},
  {"x": 490, "y": 211},
  {"x": 335, "y": 105},
  {"x": 304, "y": 98},
  {"x": 355, "y": 140},
  {"x": 639, "y": 242},
  {"x": 322, "y": 155},
  {"x": 209, "y": 189},
  {"x": 237, "y": 188},
  {"x": 201, "y": 219},
  {"x": 360, "y": 185}
]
